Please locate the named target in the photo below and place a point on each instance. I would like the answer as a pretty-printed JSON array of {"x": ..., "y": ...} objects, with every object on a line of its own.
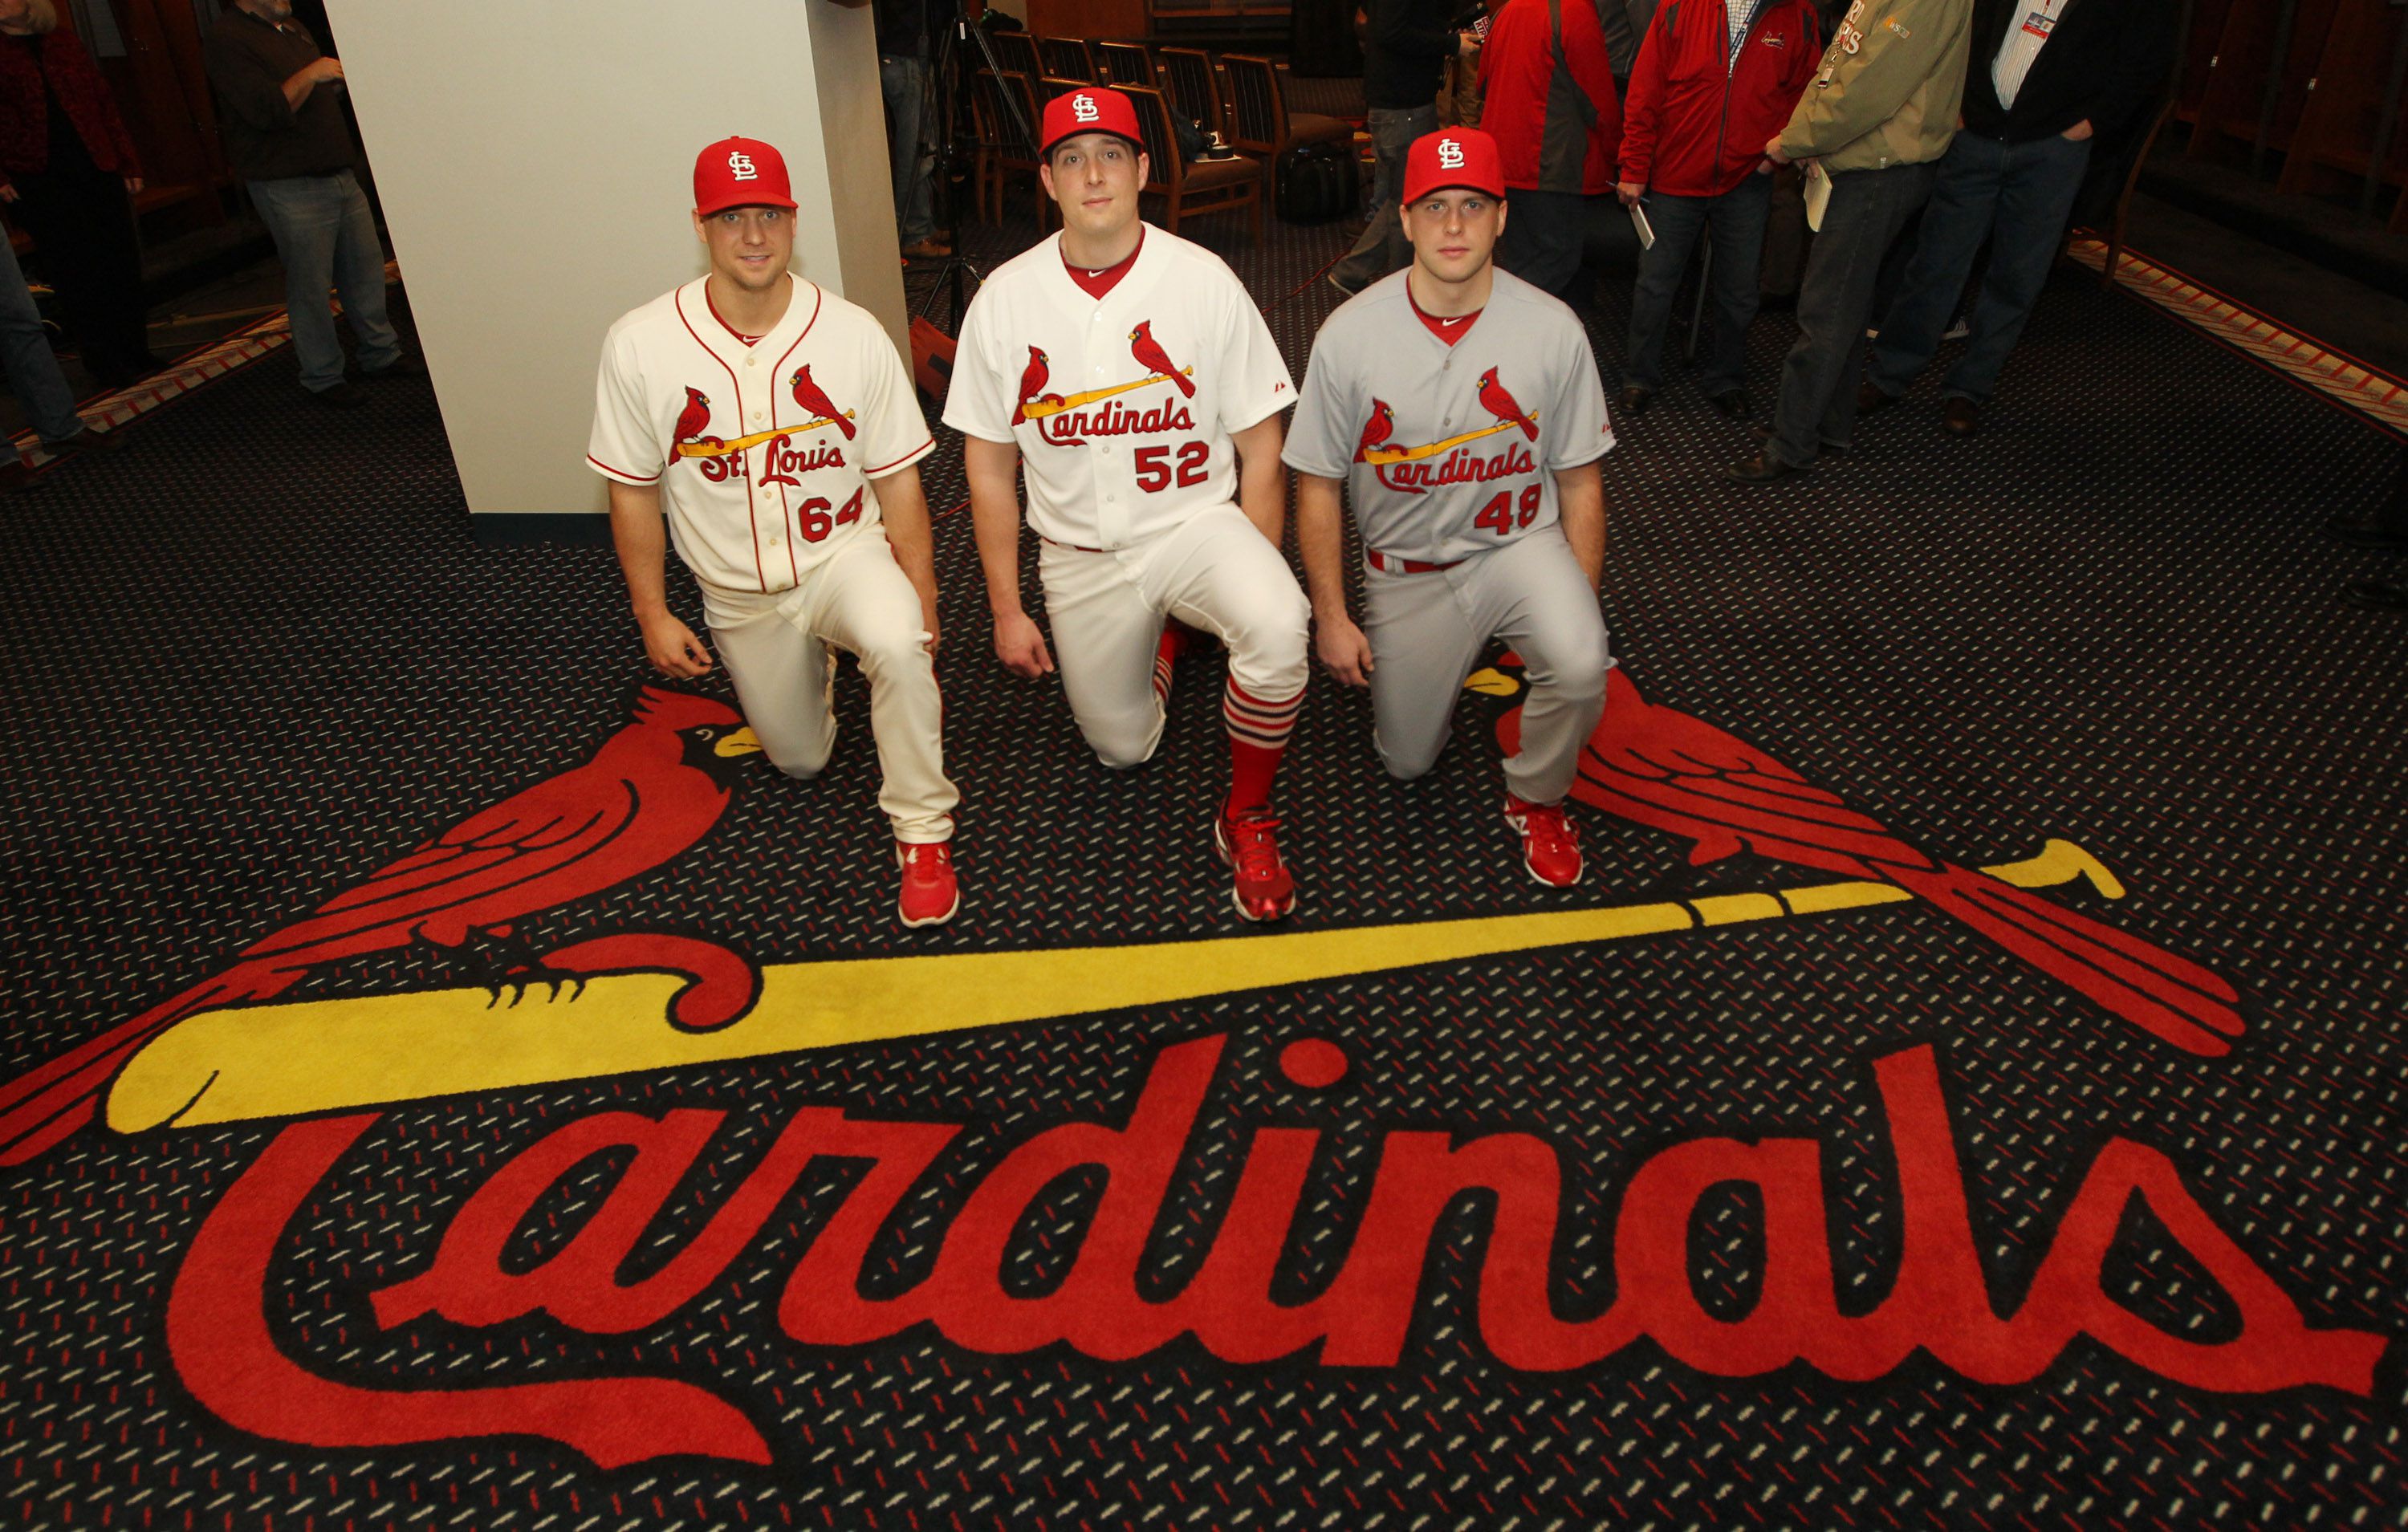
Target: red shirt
[
  {"x": 1697, "y": 121},
  {"x": 1554, "y": 116},
  {"x": 1097, "y": 282},
  {"x": 83, "y": 96}
]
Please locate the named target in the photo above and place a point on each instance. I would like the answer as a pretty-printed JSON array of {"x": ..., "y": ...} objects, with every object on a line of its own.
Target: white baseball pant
[
  {"x": 1426, "y": 629},
  {"x": 1215, "y": 572},
  {"x": 778, "y": 653}
]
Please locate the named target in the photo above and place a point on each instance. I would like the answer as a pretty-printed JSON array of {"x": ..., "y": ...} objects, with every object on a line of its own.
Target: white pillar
[{"x": 535, "y": 160}]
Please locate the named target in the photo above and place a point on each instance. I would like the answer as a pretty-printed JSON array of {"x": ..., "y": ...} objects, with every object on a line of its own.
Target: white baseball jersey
[
  {"x": 1121, "y": 406},
  {"x": 763, "y": 452},
  {"x": 1449, "y": 451}
]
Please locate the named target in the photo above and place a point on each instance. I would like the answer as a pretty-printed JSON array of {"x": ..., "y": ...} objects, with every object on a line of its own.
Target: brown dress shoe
[
  {"x": 1762, "y": 468},
  {"x": 1871, "y": 400},
  {"x": 1634, "y": 400},
  {"x": 1960, "y": 417},
  {"x": 930, "y": 249}
]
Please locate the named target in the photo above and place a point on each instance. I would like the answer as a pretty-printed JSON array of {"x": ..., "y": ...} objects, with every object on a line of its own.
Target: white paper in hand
[
  {"x": 1818, "y": 196},
  {"x": 1647, "y": 230}
]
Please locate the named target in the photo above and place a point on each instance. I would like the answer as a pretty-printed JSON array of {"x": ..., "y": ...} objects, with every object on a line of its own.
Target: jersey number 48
[{"x": 1498, "y": 515}]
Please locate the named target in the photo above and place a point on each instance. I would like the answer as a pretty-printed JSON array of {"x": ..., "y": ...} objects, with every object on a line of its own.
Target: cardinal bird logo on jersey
[
  {"x": 1665, "y": 769},
  {"x": 654, "y": 789},
  {"x": 695, "y": 418},
  {"x": 1497, "y": 402},
  {"x": 823, "y": 408},
  {"x": 1151, "y": 356},
  {"x": 1376, "y": 430},
  {"x": 1032, "y": 386}
]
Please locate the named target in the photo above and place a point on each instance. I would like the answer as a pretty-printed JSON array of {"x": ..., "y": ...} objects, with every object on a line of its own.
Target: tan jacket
[{"x": 1889, "y": 88}]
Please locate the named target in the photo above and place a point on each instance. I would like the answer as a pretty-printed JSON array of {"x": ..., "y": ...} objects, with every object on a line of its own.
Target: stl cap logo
[
  {"x": 741, "y": 163},
  {"x": 1450, "y": 154},
  {"x": 1082, "y": 107}
]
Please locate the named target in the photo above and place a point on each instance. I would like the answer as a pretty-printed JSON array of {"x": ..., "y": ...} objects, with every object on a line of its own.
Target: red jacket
[
  {"x": 25, "y": 118},
  {"x": 1555, "y": 117},
  {"x": 1697, "y": 127}
]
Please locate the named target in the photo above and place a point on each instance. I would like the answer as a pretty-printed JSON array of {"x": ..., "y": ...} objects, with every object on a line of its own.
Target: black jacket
[
  {"x": 2104, "y": 62},
  {"x": 1409, "y": 42}
]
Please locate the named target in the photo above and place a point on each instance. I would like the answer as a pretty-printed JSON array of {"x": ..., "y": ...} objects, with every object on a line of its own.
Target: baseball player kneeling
[
  {"x": 775, "y": 423},
  {"x": 1131, "y": 375},
  {"x": 1461, "y": 408}
]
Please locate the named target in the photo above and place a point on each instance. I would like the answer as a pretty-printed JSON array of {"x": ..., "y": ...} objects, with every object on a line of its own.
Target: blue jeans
[
  {"x": 1737, "y": 219},
  {"x": 33, "y": 369},
  {"x": 902, "y": 80},
  {"x": 1384, "y": 248},
  {"x": 327, "y": 237},
  {"x": 1817, "y": 406},
  {"x": 2019, "y": 197}
]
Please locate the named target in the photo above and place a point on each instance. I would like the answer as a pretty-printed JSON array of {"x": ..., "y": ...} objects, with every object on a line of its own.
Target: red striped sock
[
  {"x": 1258, "y": 732},
  {"x": 1165, "y": 654}
]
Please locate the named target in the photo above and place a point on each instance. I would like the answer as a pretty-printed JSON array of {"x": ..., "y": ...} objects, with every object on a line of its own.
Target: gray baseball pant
[{"x": 1426, "y": 629}]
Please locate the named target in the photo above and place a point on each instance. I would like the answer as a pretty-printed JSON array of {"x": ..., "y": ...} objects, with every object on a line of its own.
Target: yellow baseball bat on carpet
[{"x": 286, "y": 1060}]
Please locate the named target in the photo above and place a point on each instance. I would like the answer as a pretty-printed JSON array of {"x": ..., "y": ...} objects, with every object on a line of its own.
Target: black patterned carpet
[{"x": 259, "y": 655}]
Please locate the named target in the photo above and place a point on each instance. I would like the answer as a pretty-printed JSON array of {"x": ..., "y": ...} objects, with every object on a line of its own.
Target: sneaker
[
  {"x": 1550, "y": 842},
  {"x": 343, "y": 395},
  {"x": 930, "y": 895},
  {"x": 1262, "y": 890},
  {"x": 403, "y": 366}
]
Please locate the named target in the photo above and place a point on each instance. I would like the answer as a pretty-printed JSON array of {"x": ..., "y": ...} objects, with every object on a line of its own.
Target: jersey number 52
[{"x": 1155, "y": 472}]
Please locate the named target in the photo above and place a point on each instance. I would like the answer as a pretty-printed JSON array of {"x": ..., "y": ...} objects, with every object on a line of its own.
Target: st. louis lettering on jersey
[{"x": 763, "y": 452}]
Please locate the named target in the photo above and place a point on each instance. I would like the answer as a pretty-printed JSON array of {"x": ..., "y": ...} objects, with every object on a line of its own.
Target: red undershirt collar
[
  {"x": 749, "y": 340},
  {"x": 1096, "y": 283},
  {"x": 1451, "y": 329}
]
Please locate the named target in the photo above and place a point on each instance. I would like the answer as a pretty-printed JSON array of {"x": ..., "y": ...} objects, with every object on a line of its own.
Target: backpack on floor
[{"x": 1316, "y": 184}]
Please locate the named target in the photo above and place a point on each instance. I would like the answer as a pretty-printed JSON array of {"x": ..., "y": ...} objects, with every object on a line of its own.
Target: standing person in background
[
  {"x": 903, "y": 77},
  {"x": 2049, "y": 77},
  {"x": 68, "y": 174},
  {"x": 1714, "y": 81},
  {"x": 1552, "y": 108},
  {"x": 285, "y": 134},
  {"x": 35, "y": 378},
  {"x": 1875, "y": 118},
  {"x": 1407, "y": 45}
]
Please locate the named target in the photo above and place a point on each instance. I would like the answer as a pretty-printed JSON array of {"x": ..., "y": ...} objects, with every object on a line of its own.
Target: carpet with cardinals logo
[{"x": 446, "y": 1083}]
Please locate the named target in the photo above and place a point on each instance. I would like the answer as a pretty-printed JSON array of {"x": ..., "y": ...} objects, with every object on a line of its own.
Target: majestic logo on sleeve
[
  {"x": 1070, "y": 421},
  {"x": 1417, "y": 470}
]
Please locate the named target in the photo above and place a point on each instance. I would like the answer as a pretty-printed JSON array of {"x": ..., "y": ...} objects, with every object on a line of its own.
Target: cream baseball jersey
[
  {"x": 1121, "y": 406},
  {"x": 1449, "y": 451},
  {"x": 764, "y": 452}
]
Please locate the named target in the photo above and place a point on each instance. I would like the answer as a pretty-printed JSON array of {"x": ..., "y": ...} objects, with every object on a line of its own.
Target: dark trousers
[
  {"x": 82, "y": 225},
  {"x": 1818, "y": 377},
  {"x": 2017, "y": 197},
  {"x": 1546, "y": 232},
  {"x": 1737, "y": 219},
  {"x": 1384, "y": 248}
]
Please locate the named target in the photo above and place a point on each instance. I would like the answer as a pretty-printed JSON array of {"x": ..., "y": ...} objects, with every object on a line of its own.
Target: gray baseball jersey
[{"x": 1449, "y": 451}]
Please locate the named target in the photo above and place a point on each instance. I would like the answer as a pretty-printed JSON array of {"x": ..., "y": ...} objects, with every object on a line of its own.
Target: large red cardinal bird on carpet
[
  {"x": 654, "y": 789},
  {"x": 808, "y": 394},
  {"x": 1152, "y": 358},
  {"x": 1665, "y": 769},
  {"x": 1494, "y": 399}
]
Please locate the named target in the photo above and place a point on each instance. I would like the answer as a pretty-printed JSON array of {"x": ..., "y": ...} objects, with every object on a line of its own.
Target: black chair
[
  {"x": 1126, "y": 63},
  {"x": 1259, "y": 121},
  {"x": 1194, "y": 87},
  {"x": 1067, "y": 58}
]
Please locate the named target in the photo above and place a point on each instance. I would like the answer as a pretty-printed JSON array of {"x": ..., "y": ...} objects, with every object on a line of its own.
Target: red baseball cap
[
  {"x": 1463, "y": 157},
  {"x": 740, "y": 173},
  {"x": 1093, "y": 109}
]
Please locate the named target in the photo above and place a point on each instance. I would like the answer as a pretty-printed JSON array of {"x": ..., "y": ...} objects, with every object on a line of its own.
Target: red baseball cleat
[
  {"x": 930, "y": 895},
  {"x": 1263, "y": 891},
  {"x": 1550, "y": 842}
]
